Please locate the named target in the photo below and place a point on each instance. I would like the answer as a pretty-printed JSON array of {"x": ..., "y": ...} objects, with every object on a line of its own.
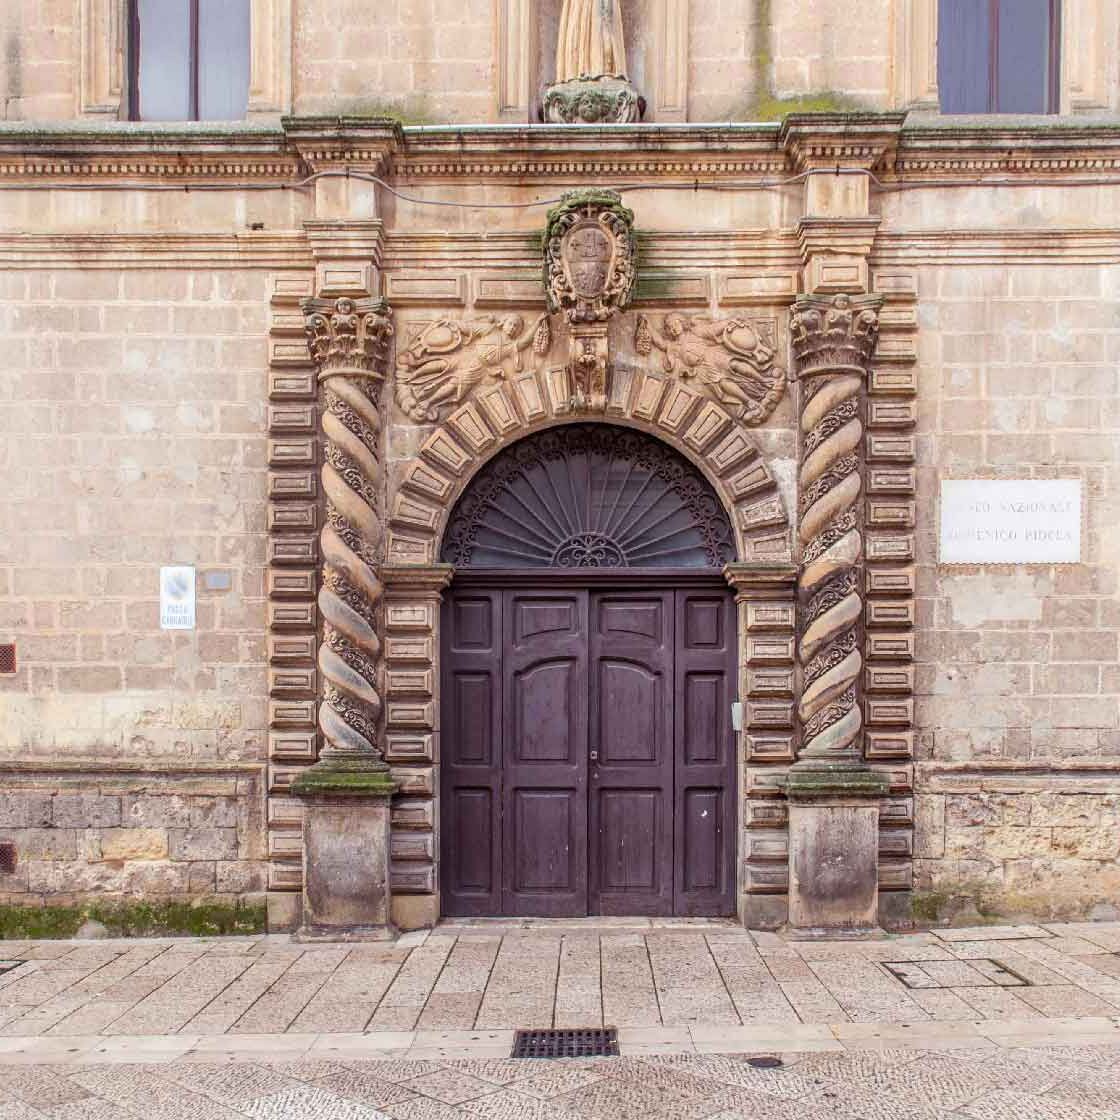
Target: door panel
[
  {"x": 704, "y": 799},
  {"x": 471, "y": 754},
  {"x": 587, "y": 757},
  {"x": 544, "y": 795},
  {"x": 631, "y": 777}
]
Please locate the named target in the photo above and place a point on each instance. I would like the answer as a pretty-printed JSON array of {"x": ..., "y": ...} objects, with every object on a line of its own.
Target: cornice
[
  {"x": 899, "y": 150},
  {"x": 116, "y": 151},
  {"x": 1058, "y": 147},
  {"x": 820, "y": 141}
]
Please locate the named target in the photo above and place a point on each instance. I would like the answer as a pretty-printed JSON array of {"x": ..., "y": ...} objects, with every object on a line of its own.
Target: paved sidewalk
[
  {"x": 995, "y": 1023},
  {"x": 498, "y": 977},
  {"x": 1042, "y": 1083}
]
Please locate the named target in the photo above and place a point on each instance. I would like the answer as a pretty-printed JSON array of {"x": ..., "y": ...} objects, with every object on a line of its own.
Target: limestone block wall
[
  {"x": 1018, "y": 682},
  {"x": 132, "y": 412}
]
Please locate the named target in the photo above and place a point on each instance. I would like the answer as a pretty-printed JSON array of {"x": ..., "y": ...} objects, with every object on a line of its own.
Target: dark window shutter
[
  {"x": 162, "y": 69},
  {"x": 1023, "y": 56},
  {"x": 223, "y": 59}
]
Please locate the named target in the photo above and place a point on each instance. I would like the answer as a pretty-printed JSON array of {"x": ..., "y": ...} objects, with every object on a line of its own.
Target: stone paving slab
[
  {"x": 1038, "y": 1082},
  {"x": 501, "y": 975}
]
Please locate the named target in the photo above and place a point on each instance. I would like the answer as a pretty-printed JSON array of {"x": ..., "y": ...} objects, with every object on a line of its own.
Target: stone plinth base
[
  {"x": 603, "y": 100},
  {"x": 834, "y": 849},
  {"x": 345, "y": 855}
]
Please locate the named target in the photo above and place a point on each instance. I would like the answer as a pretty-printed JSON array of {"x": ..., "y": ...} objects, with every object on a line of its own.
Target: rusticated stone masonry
[
  {"x": 349, "y": 342},
  {"x": 833, "y": 340}
]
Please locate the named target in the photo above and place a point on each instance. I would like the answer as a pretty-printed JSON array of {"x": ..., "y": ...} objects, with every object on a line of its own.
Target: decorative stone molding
[
  {"x": 671, "y": 60},
  {"x": 270, "y": 60},
  {"x": 349, "y": 343},
  {"x": 411, "y": 613},
  {"x": 889, "y": 614},
  {"x": 833, "y": 340},
  {"x": 914, "y": 71},
  {"x": 103, "y": 48},
  {"x": 515, "y": 49},
  {"x": 731, "y": 359},
  {"x": 292, "y": 581},
  {"x": 765, "y": 596}
]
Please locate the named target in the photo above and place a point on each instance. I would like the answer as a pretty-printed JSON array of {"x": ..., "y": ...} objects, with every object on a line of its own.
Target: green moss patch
[{"x": 205, "y": 918}]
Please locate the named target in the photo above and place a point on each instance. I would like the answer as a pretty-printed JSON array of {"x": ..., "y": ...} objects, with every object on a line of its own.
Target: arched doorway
[{"x": 588, "y": 672}]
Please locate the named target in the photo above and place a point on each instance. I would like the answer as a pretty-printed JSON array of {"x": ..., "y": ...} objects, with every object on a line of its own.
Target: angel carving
[
  {"x": 732, "y": 359},
  {"x": 449, "y": 358}
]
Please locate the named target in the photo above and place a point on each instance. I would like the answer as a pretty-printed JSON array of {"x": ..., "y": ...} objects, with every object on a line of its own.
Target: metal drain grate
[{"x": 591, "y": 1042}]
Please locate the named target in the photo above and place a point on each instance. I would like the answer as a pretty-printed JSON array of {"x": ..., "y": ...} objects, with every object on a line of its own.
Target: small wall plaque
[
  {"x": 1011, "y": 521},
  {"x": 176, "y": 598}
]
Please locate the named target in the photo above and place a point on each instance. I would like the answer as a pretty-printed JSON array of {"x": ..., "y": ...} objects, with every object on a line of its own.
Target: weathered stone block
[
  {"x": 86, "y": 810},
  {"x": 203, "y": 843},
  {"x": 133, "y": 843}
]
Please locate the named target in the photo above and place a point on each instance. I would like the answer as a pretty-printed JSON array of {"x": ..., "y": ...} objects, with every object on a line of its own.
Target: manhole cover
[{"x": 591, "y": 1042}]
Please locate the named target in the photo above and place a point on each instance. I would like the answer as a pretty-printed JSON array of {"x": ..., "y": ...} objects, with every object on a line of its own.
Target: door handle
[{"x": 594, "y": 756}]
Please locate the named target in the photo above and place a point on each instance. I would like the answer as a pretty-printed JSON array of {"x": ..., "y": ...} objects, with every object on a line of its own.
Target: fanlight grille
[{"x": 589, "y": 496}]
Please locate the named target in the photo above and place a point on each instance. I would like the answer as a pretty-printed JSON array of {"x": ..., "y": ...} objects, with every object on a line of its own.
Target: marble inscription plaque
[{"x": 1011, "y": 521}]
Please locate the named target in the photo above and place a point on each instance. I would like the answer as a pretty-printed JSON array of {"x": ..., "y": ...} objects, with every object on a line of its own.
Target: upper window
[
  {"x": 998, "y": 56},
  {"x": 189, "y": 60}
]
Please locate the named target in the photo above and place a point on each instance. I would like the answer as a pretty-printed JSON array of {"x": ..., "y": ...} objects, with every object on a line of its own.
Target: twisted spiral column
[
  {"x": 349, "y": 341},
  {"x": 833, "y": 340}
]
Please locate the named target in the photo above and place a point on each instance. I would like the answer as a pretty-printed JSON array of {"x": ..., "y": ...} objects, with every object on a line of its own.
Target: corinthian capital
[
  {"x": 349, "y": 337},
  {"x": 834, "y": 335}
]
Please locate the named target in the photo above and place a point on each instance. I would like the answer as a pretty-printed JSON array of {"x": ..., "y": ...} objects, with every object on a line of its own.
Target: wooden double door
[{"x": 587, "y": 753}]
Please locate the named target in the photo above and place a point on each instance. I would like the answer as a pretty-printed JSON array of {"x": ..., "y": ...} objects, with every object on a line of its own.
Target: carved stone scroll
[
  {"x": 731, "y": 359},
  {"x": 833, "y": 340},
  {"x": 349, "y": 342}
]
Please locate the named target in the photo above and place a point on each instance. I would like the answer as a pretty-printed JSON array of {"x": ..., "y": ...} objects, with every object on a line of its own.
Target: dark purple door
[
  {"x": 588, "y": 761},
  {"x": 631, "y": 757}
]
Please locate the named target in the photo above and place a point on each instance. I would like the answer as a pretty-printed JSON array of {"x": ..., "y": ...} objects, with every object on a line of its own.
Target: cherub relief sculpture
[
  {"x": 732, "y": 359},
  {"x": 449, "y": 358}
]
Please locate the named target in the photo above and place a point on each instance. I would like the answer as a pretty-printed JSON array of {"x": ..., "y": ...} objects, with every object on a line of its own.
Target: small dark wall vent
[
  {"x": 7, "y": 857},
  {"x": 7, "y": 657}
]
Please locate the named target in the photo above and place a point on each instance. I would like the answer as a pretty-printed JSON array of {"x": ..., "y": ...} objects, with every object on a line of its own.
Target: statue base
[{"x": 604, "y": 100}]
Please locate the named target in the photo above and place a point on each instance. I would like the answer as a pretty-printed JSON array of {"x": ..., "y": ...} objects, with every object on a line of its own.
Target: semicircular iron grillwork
[{"x": 589, "y": 496}]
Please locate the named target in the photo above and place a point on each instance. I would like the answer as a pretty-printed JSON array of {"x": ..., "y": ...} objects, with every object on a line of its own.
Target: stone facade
[{"x": 161, "y": 405}]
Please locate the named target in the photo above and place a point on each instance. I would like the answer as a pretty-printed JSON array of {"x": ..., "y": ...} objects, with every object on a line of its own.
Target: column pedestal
[
  {"x": 346, "y": 854},
  {"x": 834, "y": 848}
]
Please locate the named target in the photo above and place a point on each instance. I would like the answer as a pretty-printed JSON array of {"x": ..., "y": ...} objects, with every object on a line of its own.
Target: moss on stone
[
  {"x": 201, "y": 918},
  {"x": 415, "y": 109}
]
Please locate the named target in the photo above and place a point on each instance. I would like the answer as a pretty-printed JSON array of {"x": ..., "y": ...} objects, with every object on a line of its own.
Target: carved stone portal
[{"x": 591, "y": 83}]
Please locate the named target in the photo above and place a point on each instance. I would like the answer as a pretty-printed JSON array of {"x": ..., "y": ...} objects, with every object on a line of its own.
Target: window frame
[{"x": 1053, "y": 53}]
